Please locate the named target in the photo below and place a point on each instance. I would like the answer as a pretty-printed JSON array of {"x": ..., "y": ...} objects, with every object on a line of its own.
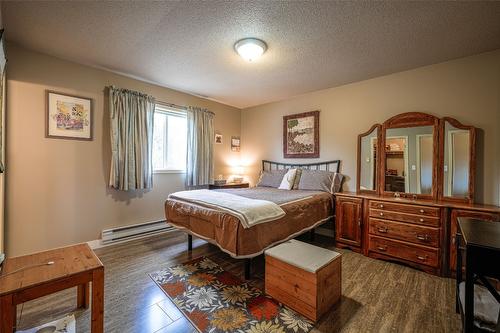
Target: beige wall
[
  {"x": 467, "y": 89},
  {"x": 57, "y": 190}
]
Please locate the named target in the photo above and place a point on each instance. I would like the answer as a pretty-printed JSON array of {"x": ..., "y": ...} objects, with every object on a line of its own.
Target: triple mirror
[{"x": 418, "y": 155}]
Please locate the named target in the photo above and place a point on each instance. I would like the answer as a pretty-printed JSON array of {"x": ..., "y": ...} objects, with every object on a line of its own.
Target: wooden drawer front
[
  {"x": 396, "y": 216},
  {"x": 292, "y": 281},
  {"x": 407, "y": 209},
  {"x": 404, "y": 231},
  {"x": 415, "y": 253}
]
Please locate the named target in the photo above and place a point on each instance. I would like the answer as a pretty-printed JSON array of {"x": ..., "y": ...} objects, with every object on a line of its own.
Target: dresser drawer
[
  {"x": 403, "y": 231},
  {"x": 403, "y": 217},
  {"x": 407, "y": 209},
  {"x": 402, "y": 250}
]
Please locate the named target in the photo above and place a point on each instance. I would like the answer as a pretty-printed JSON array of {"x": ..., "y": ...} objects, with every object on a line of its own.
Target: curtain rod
[{"x": 175, "y": 106}]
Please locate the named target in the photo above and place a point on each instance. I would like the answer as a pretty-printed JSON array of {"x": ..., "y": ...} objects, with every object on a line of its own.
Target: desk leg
[
  {"x": 469, "y": 292},
  {"x": 7, "y": 314},
  {"x": 98, "y": 301},
  {"x": 83, "y": 293}
]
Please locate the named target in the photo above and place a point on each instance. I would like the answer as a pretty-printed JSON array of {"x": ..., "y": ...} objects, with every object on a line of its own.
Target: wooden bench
[
  {"x": 304, "y": 277},
  {"x": 32, "y": 276}
]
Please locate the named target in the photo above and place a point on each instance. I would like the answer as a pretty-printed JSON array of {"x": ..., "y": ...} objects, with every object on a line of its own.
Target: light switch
[{"x": 414, "y": 167}]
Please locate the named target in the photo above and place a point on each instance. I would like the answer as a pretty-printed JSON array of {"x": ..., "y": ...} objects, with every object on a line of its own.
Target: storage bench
[{"x": 304, "y": 277}]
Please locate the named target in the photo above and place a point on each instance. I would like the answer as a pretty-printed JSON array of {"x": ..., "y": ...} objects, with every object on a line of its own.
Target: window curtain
[
  {"x": 200, "y": 147},
  {"x": 131, "y": 121}
]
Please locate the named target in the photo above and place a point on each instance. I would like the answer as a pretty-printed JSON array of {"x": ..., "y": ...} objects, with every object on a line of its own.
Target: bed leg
[
  {"x": 190, "y": 242},
  {"x": 312, "y": 235},
  {"x": 248, "y": 269}
]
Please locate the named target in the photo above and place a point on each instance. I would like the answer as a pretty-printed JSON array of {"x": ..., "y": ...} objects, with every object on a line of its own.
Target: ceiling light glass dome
[{"x": 250, "y": 48}]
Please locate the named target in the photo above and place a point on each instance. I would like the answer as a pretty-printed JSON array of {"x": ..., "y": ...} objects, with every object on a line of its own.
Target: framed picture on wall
[
  {"x": 301, "y": 135},
  {"x": 68, "y": 117},
  {"x": 235, "y": 143},
  {"x": 218, "y": 139}
]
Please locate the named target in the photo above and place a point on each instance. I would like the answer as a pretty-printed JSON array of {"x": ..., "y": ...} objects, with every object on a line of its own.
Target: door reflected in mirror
[
  {"x": 368, "y": 162},
  {"x": 456, "y": 162},
  {"x": 409, "y": 159},
  {"x": 396, "y": 158}
]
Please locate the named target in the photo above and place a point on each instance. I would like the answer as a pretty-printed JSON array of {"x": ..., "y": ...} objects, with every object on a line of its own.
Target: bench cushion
[{"x": 302, "y": 255}]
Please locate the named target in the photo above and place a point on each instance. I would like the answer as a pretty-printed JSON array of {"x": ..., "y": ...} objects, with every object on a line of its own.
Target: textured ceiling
[{"x": 188, "y": 45}]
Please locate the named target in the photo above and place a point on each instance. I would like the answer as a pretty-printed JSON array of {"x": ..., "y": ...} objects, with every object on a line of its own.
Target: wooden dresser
[
  {"x": 416, "y": 175},
  {"x": 418, "y": 233}
]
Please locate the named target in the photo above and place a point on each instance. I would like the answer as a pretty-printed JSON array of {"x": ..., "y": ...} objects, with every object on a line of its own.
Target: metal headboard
[{"x": 333, "y": 166}]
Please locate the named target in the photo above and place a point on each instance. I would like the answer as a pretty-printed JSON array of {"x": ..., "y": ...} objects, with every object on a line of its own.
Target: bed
[{"x": 303, "y": 211}]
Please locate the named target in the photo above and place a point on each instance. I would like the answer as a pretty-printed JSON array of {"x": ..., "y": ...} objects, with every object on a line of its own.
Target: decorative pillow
[
  {"x": 271, "y": 178},
  {"x": 288, "y": 179},
  {"x": 297, "y": 179},
  {"x": 320, "y": 180}
]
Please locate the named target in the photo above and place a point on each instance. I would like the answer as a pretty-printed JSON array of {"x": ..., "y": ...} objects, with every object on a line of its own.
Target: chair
[{"x": 486, "y": 298}]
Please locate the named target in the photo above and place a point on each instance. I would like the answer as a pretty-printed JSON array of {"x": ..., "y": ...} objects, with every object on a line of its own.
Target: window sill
[{"x": 168, "y": 171}]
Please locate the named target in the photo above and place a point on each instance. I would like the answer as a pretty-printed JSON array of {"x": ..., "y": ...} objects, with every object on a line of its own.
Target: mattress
[{"x": 304, "y": 211}]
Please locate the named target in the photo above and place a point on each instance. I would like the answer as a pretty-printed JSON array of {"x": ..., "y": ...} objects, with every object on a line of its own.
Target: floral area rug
[{"x": 217, "y": 301}]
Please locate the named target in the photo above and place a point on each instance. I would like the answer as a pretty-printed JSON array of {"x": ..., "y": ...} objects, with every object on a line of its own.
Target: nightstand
[{"x": 228, "y": 185}]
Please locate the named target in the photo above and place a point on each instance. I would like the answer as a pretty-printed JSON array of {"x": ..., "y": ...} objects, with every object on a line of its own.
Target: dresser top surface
[{"x": 457, "y": 205}]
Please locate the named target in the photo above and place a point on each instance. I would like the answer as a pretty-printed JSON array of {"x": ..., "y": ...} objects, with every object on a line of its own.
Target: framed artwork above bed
[{"x": 301, "y": 135}]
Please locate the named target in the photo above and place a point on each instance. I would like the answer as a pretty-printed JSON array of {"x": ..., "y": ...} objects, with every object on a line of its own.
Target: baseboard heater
[{"x": 130, "y": 232}]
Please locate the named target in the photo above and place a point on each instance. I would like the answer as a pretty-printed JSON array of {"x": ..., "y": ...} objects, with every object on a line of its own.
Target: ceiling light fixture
[{"x": 250, "y": 48}]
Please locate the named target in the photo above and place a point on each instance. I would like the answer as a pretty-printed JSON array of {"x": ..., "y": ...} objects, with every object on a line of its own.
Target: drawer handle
[
  {"x": 422, "y": 211},
  {"x": 423, "y": 237},
  {"x": 421, "y": 220},
  {"x": 381, "y": 214},
  {"x": 382, "y": 248},
  {"x": 421, "y": 258},
  {"x": 381, "y": 206},
  {"x": 382, "y": 230}
]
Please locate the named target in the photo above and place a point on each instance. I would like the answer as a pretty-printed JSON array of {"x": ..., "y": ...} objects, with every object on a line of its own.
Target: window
[{"x": 169, "y": 139}]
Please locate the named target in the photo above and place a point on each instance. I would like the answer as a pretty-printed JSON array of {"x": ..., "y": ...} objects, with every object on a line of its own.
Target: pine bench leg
[
  {"x": 7, "y": 314},
  {"x": 97, "y": 325},
  {"x": 83, "y": 294}
]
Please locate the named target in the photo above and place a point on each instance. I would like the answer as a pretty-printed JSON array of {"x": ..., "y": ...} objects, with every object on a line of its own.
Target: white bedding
[{"x": 249, "y": 211}]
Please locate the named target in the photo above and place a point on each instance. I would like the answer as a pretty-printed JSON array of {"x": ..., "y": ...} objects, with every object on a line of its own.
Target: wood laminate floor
[{"x": 377, "y": 296}]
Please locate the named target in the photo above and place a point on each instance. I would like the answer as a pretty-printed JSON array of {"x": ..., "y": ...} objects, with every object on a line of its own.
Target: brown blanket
[{"x": 227, "y": 232}]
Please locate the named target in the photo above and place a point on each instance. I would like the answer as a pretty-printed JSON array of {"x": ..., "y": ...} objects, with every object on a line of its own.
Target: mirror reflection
[
  {"x": 456, "y": 161},
  {"x": 368, "y": 163},
  {"x": 409, "y": 159}
]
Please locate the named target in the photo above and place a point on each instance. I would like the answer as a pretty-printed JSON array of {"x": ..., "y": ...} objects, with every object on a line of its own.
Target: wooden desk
[
  {"x": 28, "y": 277},
  {"x": 481, "y": 241}
]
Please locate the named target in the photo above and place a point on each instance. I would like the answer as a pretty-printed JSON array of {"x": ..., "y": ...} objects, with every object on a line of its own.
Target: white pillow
[{"x": 288, "y": 179}]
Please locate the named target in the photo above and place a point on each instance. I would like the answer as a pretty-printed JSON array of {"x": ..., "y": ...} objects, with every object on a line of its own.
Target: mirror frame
[
  {"x": 472, "y": 160},
  {"x": 378, "y": 127},
  {"x": 411, "y": 119}
]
